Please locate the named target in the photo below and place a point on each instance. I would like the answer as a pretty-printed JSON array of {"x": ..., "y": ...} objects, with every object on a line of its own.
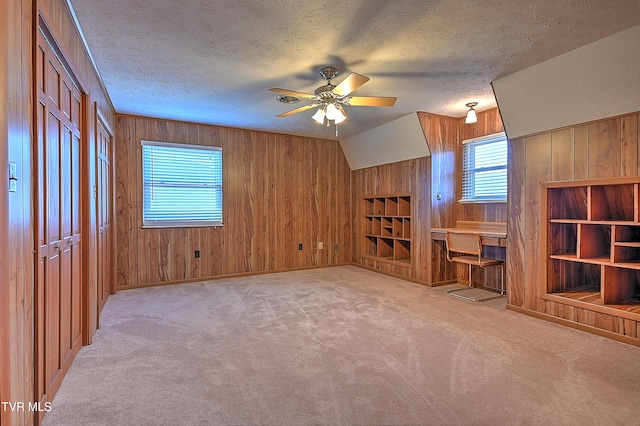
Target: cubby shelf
[
  {"x": 593, "y": 244},
  {"x": 387, "y": 228}
]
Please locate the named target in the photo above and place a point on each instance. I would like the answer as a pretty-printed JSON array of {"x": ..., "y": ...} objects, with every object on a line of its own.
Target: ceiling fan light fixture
[
  {"x": 318, "y": 117},
  {"x": 471, "y": 114},
  {"x": 332, "y": 112},
  {"x": 340, "y": 117}
]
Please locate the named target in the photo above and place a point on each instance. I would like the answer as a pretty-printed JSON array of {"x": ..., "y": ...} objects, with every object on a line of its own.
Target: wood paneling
[
  {"x": 16, "y": 226},
  {"x": 410, "y": 176},
  {"x": 19, "y": 22},
  {"x": 279, "y": 191},
  {"x": 445, "y": 136},
  {"x": 602, "y": 149},
  {"x": 439, "y": 187}
]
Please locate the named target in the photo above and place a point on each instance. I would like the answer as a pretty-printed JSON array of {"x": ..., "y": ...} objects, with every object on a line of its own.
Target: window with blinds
[
  {"x": 181, "y": 185},
  {"x": 484, "y": 169}
]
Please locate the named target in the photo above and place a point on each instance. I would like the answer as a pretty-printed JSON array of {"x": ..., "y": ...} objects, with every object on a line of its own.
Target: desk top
[{"x": 485, "y": 229}]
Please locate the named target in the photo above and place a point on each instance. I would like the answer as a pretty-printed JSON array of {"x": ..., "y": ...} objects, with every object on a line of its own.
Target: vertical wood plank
[
  {"x": 604, "y": 149},
  {"x": 563, "y": 154},
  {"x": 629, "y": 145},
  {"x": 581, "y": 143},
  {"x": 538, "y": 169},
  {"x": 517, "y": 207}
]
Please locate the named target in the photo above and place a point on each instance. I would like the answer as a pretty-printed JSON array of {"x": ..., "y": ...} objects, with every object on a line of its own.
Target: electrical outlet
[
  {"x": 197, "y": 254},
  {"x": 320, "y": 245},
  {"x": 300, "y": 246},
  {"x": 335, "y": 247}
]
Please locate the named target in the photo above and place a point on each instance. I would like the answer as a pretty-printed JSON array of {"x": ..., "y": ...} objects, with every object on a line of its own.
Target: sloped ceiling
[{"x": 213, "y": 61}]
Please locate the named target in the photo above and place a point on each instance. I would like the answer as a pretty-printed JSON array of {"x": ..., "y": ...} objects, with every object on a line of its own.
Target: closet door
[
  {"x": 57, "y": 207},
  {"x": 104, "y": 195}
]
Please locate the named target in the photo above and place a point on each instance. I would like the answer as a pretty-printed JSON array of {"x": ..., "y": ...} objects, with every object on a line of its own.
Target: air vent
[{"x": 288, "y": 99}]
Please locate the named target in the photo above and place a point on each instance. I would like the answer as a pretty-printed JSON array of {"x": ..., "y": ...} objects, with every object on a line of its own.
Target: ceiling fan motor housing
[
  {"x": 325, "y": 90},
  {"x": 329, "y": 72}
]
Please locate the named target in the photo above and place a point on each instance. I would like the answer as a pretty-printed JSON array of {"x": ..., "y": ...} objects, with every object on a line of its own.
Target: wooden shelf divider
[
  {"x": 593, "y": 244},
  {"x": 387, "y": 228}
]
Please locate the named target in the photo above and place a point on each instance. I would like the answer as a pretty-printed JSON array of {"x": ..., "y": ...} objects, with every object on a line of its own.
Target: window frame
[
  {"x": 469, "y": 188},
  {"x": 186, "y": 222}
]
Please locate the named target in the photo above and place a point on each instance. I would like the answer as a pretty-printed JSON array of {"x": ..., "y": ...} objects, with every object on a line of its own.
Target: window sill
[{"x": 487, "y": 201}]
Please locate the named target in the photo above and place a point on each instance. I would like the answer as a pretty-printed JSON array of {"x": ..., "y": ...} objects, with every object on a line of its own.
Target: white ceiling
[{"x": 212, "y": 61}]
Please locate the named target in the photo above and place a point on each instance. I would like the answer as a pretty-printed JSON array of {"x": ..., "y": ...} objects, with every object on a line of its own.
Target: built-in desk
[
  {"x": 493, "y": 234},
  {"x": 494, "y": 239}
]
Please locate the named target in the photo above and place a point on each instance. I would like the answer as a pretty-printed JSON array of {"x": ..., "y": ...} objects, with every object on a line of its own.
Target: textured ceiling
[{"x": 212, "y": 61}]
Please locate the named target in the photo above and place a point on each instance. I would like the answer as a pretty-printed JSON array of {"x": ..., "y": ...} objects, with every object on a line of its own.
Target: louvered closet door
[
  {"x": 57, "y": 206},
  {"x": 104, "y": 195}
]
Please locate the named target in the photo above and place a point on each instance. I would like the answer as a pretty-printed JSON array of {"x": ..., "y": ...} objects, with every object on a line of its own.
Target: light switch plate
[{"x": 13, "y": 177}]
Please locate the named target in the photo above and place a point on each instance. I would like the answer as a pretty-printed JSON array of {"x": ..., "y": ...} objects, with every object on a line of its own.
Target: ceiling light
[
  {"x": 318, "y": 117},
  {"x": 340, "y": 117},
  {"x": 471, "y": 114},
  {"x": 332, "y": 111}
]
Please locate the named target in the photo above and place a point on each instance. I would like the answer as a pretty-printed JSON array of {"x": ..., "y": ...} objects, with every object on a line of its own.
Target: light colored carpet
[{"x": 335, "y": 346}]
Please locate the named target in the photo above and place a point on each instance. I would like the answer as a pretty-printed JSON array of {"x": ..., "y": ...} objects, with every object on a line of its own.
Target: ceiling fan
[{"x": 330, "y": 98}]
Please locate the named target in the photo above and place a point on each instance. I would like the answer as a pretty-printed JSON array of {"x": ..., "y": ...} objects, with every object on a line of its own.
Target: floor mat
[{"x": 473, "y": 294}]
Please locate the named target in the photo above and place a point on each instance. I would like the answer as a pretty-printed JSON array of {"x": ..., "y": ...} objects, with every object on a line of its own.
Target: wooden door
[
  {"x": 104, "y": 196},
  {"x": 58, "y": 236}
]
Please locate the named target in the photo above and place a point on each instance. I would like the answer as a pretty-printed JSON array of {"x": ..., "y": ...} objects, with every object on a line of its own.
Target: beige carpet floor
[{"x": 338, "y": 346}]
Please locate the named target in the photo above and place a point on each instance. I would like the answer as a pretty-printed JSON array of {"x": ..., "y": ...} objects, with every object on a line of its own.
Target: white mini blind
[
  {"x": 182, "y": 185},
  {"x": 484, "y": 169}
]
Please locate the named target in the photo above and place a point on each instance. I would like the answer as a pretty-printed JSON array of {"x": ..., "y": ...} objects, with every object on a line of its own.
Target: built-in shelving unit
[
  {"x": 387, "y": 228},
  {"x": 593, "y": 244}
]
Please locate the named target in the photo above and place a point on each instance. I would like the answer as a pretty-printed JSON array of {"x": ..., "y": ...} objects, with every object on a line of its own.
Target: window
[
  {"x": 182, "y": 185},
  {"x": 484, "y": 169}
]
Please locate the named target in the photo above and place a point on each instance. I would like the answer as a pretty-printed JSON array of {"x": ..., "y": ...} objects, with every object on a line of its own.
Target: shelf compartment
[
  {"x": 378, "y": 206},
  {"x": 406, "y": 228},
  {"x": 612, "y": 202},
  {"x": 615, "y": 293},
  {"x": 371, "y": 245},
  {"x": 563, "y": 238},
  {"x": 391, "y": 206},
  {"x": 627, "y": 234},
  {"x": 404, "y": 206},
  {"x": 594, "y": 241},
  {"x": 567, "y": 203},
  {"x": 626, "y": 253},
  {"x": 398, "y": 227},
  {"x": 368, "y": 225},
  {"x": 368, "y": 207},
  {"x": 402, "y": 250},
  {"x": 581, "y": 278},
  {"x": 376, "y": 226},
  {"x": 387, "y": 227},
  {"x": 385, "y": 248}
]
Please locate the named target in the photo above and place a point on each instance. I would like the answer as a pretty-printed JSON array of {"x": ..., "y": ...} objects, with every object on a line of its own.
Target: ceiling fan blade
[
  {"x": 297, "y": 110},
  {"x": 349, "y": 84},
  {"x": 371, "y": 101},
  {"x": 293, "y": 93}
]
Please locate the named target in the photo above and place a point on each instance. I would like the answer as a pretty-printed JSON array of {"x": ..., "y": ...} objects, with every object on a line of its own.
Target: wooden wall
[
  {"x": 279, "y": 191},
  {"x": 16, "y": 271},
  {"x": 602, "y": 149},
  {"x": 410, "y": 176},
  {"x": 18, "y": 23},
  {"x": 436, "y": 182}
]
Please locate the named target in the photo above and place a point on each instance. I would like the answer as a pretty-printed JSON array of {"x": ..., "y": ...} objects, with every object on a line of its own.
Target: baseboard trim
[
  {"x": 402, "y": 277},
  {"x": 582, "y": 327},
  {"x": 236, "y": 275}
]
